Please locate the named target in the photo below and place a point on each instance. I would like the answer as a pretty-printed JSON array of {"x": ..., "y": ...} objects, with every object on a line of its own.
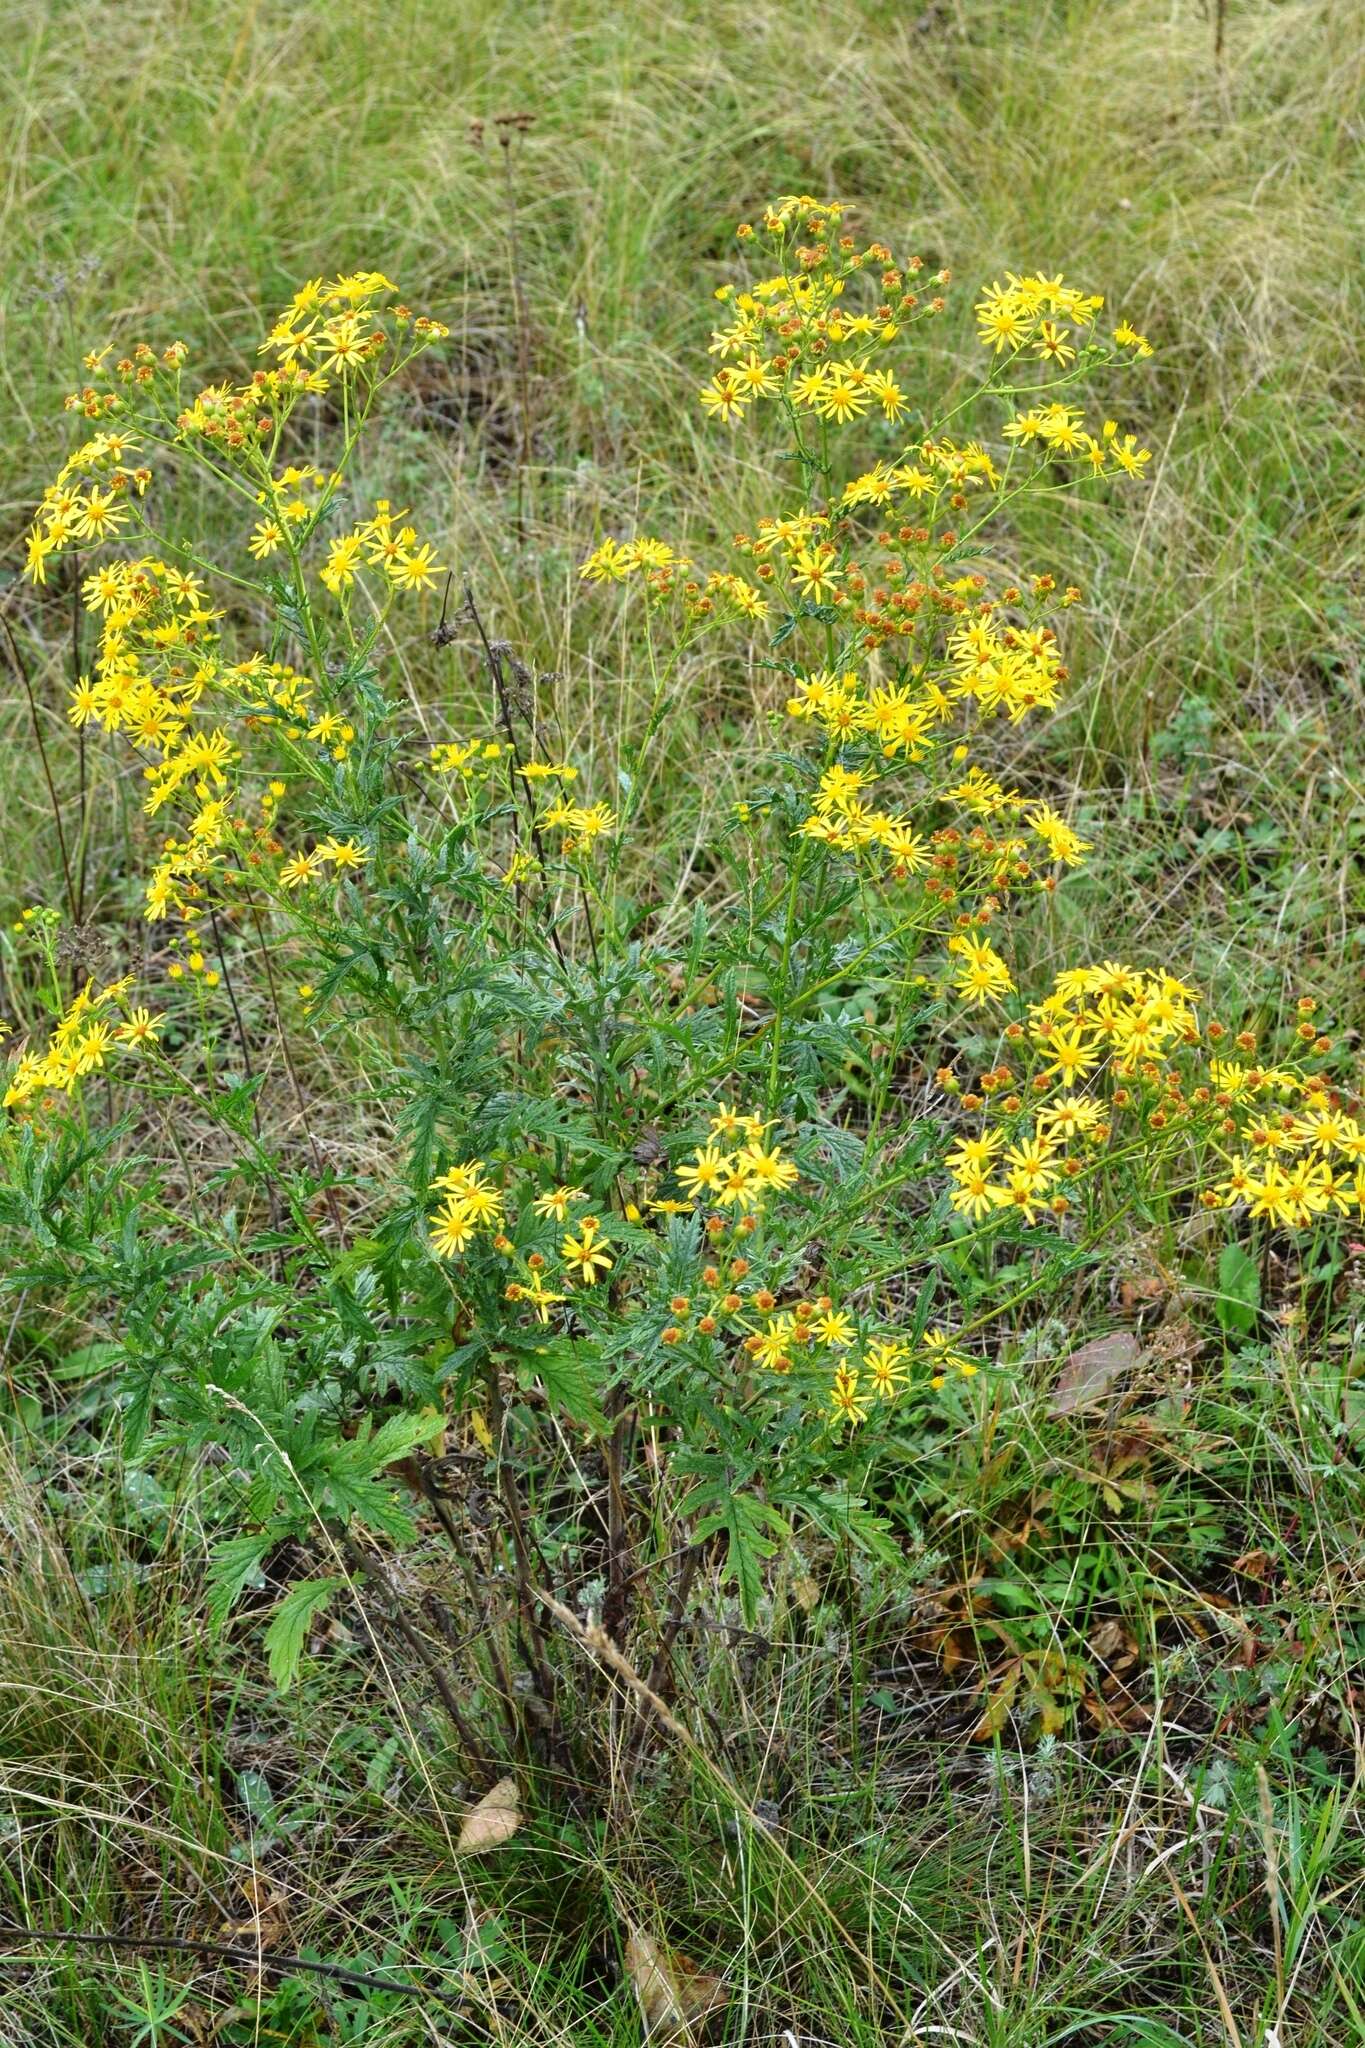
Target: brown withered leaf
[
  {"x": 999, "y": 1699},
  {"x": 805, "y": 1592},
  {"x": 492, "y": 1822},
  {"x": 1110, "y": 1640},
  {"x": 675, "y": 1997},
  {"x": 267, "y": 1927},
  {"x": 1088, "y": 1374}
]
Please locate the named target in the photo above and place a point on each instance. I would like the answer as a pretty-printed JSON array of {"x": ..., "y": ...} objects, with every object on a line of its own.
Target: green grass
[{"x": 1189, "y": 1871}]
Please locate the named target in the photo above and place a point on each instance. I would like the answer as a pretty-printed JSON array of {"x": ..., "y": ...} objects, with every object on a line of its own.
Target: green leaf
[
  {"x": 561, "y": 1366},
  {"x": 1238, "y": 1300},
  {"x": 392, "y": 1440},
  {"x": 87, "y": 1362},
  {"x": 288, "y": 1630},
  {"x": 744, "y": 1520},
  {"x": 234, "y": 1561}
]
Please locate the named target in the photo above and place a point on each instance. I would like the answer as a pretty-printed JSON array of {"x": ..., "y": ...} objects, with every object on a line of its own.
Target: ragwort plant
[{"x": 693, "y": 1217}]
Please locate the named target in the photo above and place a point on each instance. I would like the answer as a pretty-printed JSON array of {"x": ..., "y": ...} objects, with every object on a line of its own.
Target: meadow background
[{"x": 176, "y": 171}]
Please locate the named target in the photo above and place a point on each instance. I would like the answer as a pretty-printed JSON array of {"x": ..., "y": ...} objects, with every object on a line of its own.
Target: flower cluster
[
  {"x": 465, "y": 758},
  {"x": 1118, "y": 1058},
  {"x": 581, "y": 825},
  {"x": 1044, "y": 315},
  {"x": 342, "y": 330},
  {"x": 662, "y": 573},
  {"x": 742, "y": 1176},
  {"x": 382, "y": 543},
  {"x": 339, "y": 326},
  {"x": 1293, "y": 1148},
  {"x": 158, "y": 665},
  {"x": 799, "y": 315},
  {"x": 470, "y": 1204},
  {"x": 1061, "y": 430},
  {"x": 95, "y": 1025},
  {"x": 89, "y": 501},
  {"x": 473, "y": 1209}
]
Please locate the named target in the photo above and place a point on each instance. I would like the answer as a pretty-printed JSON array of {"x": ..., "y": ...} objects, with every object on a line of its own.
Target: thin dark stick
[
  {"x": 494, "y": 662},
  {"x": 504, "y": 1688},
  {"x": 620, "y": 1576},
  {"x": 80, "y": 748},
  {"x": 660, "y": 1675},
  {"x": 333, "y": 1206},
  {"x": 658, "y": 1670},
  {"x": 521, "y": 1541},
  {"x": 22, "y": 671},
  {"x": 372, "y": 1568},
  {"x": 276, "y": 1964},
  {"x": 523, "y": 327},
  {"x": 505, "y": 715},
  {"x": 237, "y": 1016}
]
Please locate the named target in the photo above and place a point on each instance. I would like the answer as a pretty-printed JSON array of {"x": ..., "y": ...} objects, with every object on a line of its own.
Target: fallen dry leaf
[
  {"x": 267, "y": 1926},
  {"x": 673, "y": 1995},
  {"x": 492, "y": 1822},
  {"x": 805, "y": 1592},
  {"x": 1089, "y": 1373}
]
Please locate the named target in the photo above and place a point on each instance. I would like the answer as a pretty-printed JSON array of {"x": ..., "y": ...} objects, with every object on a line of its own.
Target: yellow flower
[
  {"x": 753, "y": 376},
  {"x": 541, "y": 1298},
  {"x": 707, "y": 1170},
  {"x": 1053, "y": 344},
  {"x": 299, "y": 870},
  {"x": 769, "y": 1168},
  {"x": 846, "y": 1403},
  {"x": 974, "y": 1155},
  {"x": 461, "y": 1180},
  {"x": 558, "y": 1202},
  {"x": 99, "y": 515},
  {"x": 887, "y": 393},
  {"x": 844, "y": 395},
  {"x": 609, "y": 563},
  {"x": 976, "y": 1196},
  {"x": 886, "y": 1368},
  {"x": 343, "y": 559},
  {"x": 945, "y": 1356},
  {"x": 981, "y": 973},
  {"x": 139, "y": 1028},
  {"x": 835, "y": 1328},
  {"x": 739, "y": 1189},
  {"x": 343, "y": 853},
  {"x": 415, "y": 569},
  {"x": 814, "y": 570},
  {"x": 587, "y": 1252},
  {"x": 722, "y": 398},
  {"x": 452, "y": 1228},
  {"x": 344, "y": 343},
  {"x": 1060, "y": 840}
]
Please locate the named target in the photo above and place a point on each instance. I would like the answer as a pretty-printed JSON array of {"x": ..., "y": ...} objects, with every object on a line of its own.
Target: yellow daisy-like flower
[
  {"x": 558, "y": 1202},
  {"x": 887, "y": 1368},
  {"x": 846, "y": 1402},
  {"x": 343, "y": 853},
  {"x": 707, "y": 1170},
  {"x": 587, "y": 1255},
  {"x": 452, "y": 1228}
]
